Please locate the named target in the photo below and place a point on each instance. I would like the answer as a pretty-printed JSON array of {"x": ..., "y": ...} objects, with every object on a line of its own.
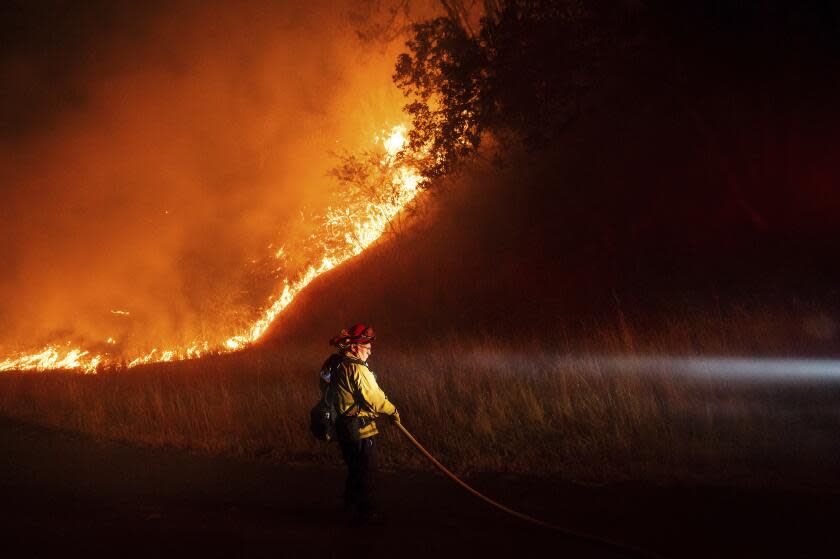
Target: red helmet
[{"x": 356, "y": 334}]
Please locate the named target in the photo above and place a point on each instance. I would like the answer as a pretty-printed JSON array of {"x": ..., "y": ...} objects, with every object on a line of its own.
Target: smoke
[{"x": 152, "y": 159}]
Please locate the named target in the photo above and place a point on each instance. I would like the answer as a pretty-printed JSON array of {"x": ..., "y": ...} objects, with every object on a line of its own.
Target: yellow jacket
[{"x": 356, "y": 392}]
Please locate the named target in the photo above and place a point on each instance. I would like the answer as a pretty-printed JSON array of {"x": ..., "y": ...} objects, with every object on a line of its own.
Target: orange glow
[{"x": 356, "y": 228}]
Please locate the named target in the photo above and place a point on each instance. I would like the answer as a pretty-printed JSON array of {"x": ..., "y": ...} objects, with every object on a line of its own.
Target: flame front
[{"x": 358, "y": 230}]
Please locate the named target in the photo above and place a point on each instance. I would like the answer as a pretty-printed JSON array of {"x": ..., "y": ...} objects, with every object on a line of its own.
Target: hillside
[{"x": 635, "y": 216}]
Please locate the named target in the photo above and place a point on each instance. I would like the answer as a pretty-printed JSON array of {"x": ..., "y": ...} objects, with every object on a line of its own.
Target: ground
[{"x": 64, "y": 494}]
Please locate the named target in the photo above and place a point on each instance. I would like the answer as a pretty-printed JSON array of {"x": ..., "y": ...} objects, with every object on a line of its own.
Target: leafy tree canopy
[
  {"x": 446, "y": 73},
  {"x": 534, "y": 65},
  {"x": 522, "y": 72}
]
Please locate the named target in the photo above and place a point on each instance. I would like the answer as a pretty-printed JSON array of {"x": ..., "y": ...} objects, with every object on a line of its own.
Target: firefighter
[{"x": 358, "y": 400}]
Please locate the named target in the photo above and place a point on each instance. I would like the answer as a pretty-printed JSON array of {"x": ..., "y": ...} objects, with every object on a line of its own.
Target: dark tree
[
  {"x": 446, "y": 73},
  {"x": 524, "y": 72}
]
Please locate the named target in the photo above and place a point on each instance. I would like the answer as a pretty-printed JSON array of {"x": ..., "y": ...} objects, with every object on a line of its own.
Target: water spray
[{"x": 719, "y": 367}]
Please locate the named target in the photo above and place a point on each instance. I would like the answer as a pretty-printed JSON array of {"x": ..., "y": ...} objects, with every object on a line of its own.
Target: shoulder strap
[{"x": 357, "y": 407}]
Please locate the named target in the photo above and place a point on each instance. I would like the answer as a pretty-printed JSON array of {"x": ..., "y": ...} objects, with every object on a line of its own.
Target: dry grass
[{"x": 480, "y": 406}]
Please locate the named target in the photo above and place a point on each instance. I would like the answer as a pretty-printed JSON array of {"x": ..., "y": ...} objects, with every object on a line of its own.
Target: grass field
[{"x": 479, "y": 405}]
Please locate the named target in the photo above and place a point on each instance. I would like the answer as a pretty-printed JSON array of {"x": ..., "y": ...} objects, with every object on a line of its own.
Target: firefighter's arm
[{"x": 373, "y": 396}]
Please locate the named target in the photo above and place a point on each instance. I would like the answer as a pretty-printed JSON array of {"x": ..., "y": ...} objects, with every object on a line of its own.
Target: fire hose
[{"x": 530, "y": 519}]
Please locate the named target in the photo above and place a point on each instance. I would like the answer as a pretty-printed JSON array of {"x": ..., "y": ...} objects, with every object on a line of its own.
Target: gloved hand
[{"x": 395, "y": 417}]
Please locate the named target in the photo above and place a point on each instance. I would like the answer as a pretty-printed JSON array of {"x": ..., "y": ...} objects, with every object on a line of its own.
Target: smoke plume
[{"x": 153, "y": 158}]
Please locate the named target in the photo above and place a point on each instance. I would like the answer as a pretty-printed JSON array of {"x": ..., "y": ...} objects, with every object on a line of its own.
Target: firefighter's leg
[
  {"x": 367, "y": 462},
  {"x": 350, "y": 452}
]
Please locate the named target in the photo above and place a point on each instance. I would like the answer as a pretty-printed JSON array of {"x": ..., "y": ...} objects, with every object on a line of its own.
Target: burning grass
[
  {"x": 479, "y": 406},
  {"x": 373, "y": 190}
]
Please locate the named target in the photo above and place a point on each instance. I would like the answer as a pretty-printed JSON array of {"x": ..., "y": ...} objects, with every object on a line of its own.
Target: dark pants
[{"x": 360, "y": 457}]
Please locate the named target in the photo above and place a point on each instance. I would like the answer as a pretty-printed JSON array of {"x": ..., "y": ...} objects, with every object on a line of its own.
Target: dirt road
[{"x": 65, "y": 495}]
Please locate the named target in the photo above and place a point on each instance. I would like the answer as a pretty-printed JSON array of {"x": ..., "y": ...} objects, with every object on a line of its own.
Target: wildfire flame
[{"x": 359, "y": 232}]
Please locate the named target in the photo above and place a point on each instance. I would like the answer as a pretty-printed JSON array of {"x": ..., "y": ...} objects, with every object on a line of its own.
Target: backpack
[{"x": 323, "y": 415}]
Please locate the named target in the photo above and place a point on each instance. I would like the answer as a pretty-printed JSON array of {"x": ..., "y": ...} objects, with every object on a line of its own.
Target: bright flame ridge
[{"x": 359, "y": 233}]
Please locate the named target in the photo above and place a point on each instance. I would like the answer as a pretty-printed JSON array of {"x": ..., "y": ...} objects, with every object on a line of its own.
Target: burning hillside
[
  {"x": 346, "y": 232},
  {"x": 178, "y": 204},
  {"x": 167, "y": 193}
]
